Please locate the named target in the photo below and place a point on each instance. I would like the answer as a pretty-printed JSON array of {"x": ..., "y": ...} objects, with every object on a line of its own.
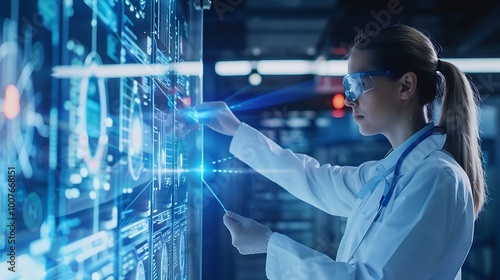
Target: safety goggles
[{"x": 356, "y": 84}]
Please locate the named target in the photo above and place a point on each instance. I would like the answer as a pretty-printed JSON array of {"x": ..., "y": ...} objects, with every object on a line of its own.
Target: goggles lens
[{"x": 356, "y": 84}]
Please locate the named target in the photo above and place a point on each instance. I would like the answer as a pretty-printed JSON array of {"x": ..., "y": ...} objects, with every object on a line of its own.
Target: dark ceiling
[
  {"x": 306, "y": 29},
  {"x": 285, "y": 29}
]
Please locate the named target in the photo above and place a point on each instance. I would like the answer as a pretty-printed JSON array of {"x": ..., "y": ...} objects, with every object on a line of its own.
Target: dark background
[{"x": 307, "y": 29}]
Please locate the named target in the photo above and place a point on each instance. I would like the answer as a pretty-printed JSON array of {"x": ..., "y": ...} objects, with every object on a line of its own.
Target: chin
[{"x": 367, "y": 131}]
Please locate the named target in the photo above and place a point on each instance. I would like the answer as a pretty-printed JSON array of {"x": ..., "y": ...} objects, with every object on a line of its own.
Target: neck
[{"x": 404, "y": 130}]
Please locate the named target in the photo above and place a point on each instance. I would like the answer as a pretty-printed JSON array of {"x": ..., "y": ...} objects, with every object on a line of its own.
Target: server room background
[{"x": 96, "y": 120}]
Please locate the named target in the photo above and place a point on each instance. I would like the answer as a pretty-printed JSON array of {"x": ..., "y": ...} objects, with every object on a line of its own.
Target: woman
[{"x": 410, "y": 215}]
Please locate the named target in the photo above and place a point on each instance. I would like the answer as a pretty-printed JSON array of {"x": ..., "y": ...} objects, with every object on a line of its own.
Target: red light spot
[
  {"x": 183, "y": 102},
  {"x": 338, "y": 114},
  {"x": 340, "y": 50},
  {"x": 11, "y": 106},
  {"x": 338, "y": 101}
]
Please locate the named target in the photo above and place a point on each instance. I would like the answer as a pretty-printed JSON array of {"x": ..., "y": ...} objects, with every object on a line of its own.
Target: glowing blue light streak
[
  {"x": 279, "y": 96},
  {"x": 213, "y": 193}
]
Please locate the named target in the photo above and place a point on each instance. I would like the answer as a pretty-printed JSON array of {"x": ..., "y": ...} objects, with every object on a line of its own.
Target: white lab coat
[{"x": 425, "y": 232}]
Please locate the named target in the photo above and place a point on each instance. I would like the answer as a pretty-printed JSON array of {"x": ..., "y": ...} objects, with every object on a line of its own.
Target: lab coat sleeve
[
  {"x": 432, "y": 221},
  {"x": 332, "y": 189},
  {"x": 290, "y": 260}
]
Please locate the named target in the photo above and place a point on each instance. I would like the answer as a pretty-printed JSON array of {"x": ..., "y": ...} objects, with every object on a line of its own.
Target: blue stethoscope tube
[
  {"x": 384, "y": 200},
  {"x": 389, "y": 189}
]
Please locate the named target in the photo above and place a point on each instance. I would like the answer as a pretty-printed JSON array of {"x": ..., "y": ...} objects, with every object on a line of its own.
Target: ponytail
[
  {"x": 401, "y": 49},
  {"x": 459, "y": 118}
]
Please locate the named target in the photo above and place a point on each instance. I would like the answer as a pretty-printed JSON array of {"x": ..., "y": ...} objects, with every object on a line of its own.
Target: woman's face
[{"x": 379, "y": 108}]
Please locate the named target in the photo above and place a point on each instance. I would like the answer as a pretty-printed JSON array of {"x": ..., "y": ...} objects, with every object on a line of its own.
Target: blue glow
[
  {"x": 279, "y": 96},
  {"x": 216, "y": 197}
]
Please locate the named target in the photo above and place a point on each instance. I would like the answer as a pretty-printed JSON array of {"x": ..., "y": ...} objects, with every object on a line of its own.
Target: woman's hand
[
  {"x": 218, "y": 117},
  {"x": 249, "y": 236}
]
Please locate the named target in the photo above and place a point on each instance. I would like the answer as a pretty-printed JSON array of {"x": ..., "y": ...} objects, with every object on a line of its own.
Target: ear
[{"x": 409, "y": 85}]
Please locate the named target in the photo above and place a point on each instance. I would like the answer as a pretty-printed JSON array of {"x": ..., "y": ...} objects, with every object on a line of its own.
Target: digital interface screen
[{"x": 94, "y": 141}]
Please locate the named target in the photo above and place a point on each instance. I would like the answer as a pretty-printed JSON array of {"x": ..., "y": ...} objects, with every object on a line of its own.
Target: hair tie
[{"x": 439, "y": 65}]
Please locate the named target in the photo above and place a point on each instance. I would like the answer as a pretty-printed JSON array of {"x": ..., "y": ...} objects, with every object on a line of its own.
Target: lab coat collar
[
  {"x": 385, "y": 167},
  {"x": 390, "y": 160}
]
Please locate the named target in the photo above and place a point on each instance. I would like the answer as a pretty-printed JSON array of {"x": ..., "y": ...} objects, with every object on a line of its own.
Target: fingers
[
  {"x": 212, "y": 105},
  {"x": 230, "y": 214},
  {"x": 232, "y": 225},
  {"x": 238, "y": 218},
  {"x": 206, "y": 112},
  {"x": 188, "y": 122},
  {"x": 217, "y": 116}
]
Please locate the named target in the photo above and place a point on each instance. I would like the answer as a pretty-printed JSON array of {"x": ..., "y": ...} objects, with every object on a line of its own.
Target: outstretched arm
[{"x": 332, "y": 189}]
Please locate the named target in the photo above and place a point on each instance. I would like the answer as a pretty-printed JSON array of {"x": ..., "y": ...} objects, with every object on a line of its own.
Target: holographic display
[{"x": 92, "y": 119}]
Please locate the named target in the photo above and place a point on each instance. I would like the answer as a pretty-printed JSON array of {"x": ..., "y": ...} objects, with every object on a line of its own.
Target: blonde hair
[
  {"x": 459, "y": 117},
  {"x": 401, "y": 49}
]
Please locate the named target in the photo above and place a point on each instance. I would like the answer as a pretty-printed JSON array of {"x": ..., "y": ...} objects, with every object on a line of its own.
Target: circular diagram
[
  {"x": 17, "y": 103},
  {"x": 135, "y": 139},
  {"x": 164, "y": 262},
  {"x": 33, "y": 211},
  {"x": 92, "y": 114},
  {"x": 179, "y": 165},
  {"x": 140, "y": 272}
]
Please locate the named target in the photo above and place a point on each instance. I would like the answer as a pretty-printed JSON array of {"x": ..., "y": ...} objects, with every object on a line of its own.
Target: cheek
[{"x": 381, "y": 104}]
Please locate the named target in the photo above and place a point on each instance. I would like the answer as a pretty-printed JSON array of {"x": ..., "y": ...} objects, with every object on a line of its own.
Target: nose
[{"x": 349, "y": 103}]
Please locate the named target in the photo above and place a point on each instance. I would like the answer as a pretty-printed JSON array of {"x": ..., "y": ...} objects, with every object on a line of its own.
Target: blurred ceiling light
[
  {"x": 331, "y": 68},
  {"x": 243, "y": 68},
  {"x": 285, "y": 67},
  {"x": 233, "y": 68},
  {"x": 108, "y": 70},
  {"x": 476, "y": 65},
  {"x": 282, "y": 67},
  {"x": 334, "y": 67},
  {"x": 186, "y": 68},
  {"x": 256, "y": 51},
  {"x": 255, "y": 79}
]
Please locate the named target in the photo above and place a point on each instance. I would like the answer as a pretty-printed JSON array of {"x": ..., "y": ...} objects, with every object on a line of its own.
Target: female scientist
[{"x": 410, "y": 215}]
